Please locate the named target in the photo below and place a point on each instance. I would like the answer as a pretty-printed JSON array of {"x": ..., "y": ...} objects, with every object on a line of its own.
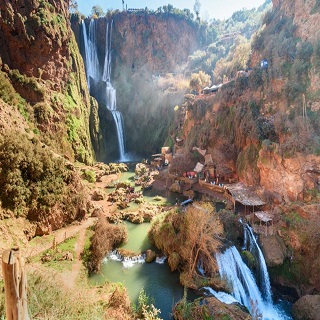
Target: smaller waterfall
[
  {"x": 127, "y": 262},
  {"x": 242, "y": 283},
  {"x": 241, "y": 280},
  {"x": 250, "y": 243}
]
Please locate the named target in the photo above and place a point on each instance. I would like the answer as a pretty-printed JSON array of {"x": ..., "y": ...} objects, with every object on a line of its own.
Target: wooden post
[{"x": 15, "y": 285}]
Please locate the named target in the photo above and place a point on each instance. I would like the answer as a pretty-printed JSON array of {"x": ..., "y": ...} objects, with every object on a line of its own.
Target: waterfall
[
  {"x": 242, "y": 283},
  {"x": 127, "y": 262},
  {"x": 92, "y": 62},
  {"x": 94, "y": 76},
  {"x": 251, "y": 244}
]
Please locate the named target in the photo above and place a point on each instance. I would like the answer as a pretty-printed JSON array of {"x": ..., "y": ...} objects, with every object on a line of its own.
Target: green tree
[
  {"x": 97, "y": 10},
  {"x": 196, "y": 8},
  {"x": 73, "y": 6}
]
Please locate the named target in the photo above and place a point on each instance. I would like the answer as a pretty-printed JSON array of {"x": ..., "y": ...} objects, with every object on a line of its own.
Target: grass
[
  {"x": 57, "y": 262},
  {"x": 49, "y": 300}
]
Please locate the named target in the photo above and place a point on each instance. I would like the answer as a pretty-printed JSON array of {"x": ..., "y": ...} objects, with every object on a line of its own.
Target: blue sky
[{"x": 215, "y": 8}]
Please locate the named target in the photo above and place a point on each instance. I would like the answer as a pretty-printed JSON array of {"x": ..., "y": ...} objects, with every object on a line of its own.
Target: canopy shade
[{"x": 243, "y": 195}]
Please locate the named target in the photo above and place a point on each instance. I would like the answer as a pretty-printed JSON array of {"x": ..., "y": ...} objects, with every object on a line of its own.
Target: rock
[
  {"x": 176, "y": 187},
  {"x": 189, "y": 194},
  {"x": 68, "y": 256},
  {"x": 81, "y": 214},
  {"x": 97, "y": 195},
  {"x": 97, "y": 212},
  {"x": 307, "y": 308},
  {"x": 274, "y": 249},
  {"x": 150, "y": 256}
]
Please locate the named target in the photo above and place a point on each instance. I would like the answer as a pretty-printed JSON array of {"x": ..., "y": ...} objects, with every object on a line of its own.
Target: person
[{"x": 177, "y": 201}]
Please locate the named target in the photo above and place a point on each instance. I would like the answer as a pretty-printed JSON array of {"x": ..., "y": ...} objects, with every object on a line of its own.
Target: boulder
[
  {"x": 81, "y": 214},
  {"x": 307, "y": 308},
  {"x": 150, "y": 256},
  {"x": 97, "y": 212},
  {"x": 97, "y": 195},
  {"x": 274, "y": 249},
  {"x": 176, "y": 187}
]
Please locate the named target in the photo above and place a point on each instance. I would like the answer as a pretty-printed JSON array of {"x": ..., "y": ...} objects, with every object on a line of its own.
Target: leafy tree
[
  {"x": 199, "y": 80},
  {"x": 196, "y": 8},
  {"x": 73, "y": 6},
  {"x": 97, "y": 10}
]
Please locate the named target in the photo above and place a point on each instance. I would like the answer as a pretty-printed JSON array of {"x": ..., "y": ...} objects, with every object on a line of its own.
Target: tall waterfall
[
  {"x": 111, "y": 94},
  {"x": 95, "y": 76},
  {"x": 242, "y": 282},
  {"x": 92, "y": 62}
]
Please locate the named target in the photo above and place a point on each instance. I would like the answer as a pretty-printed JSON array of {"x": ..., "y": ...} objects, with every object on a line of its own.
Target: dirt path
[{"x": 60, "y": 236}]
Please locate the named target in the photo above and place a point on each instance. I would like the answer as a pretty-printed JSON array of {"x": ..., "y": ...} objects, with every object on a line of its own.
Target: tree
[
  {"x": 97, "y": 10},
  {"x": 199, "y": 81},
  {"x": 73, "y": 6},
  {"x": 196, "y": 8}
]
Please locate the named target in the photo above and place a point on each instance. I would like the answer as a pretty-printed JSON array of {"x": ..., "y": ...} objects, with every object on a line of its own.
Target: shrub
[
  {"x": 34, "y": 181},
  {"x": 90, "y": 176},
  {"x": 188, "y": 238},
  {"x": 105, "y": 238}
]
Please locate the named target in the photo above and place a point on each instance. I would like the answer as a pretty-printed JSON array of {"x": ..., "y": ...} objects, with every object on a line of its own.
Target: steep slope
[
  {"x": 40, "y": 60},
  {"x": 45, "y": 115},
  {"x": 262, "y": 128}
]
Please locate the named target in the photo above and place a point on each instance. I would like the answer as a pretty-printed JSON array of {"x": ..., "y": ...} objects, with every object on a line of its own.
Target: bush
[
  {"x": 90, "y": 176},
  {"x": 188, "y": 238},
  {"x": 33, "y": 181},
  {"x": 105, "y": 238}
]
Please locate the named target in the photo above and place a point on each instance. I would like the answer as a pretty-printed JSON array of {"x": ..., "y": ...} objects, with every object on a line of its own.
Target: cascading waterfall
[
  {"x": 243, "y": 285},
  {"x": 94, "y": 76},
  {"x": 92, "y": 62},
  {"x": 111, "y": 94},
  {"x": 250, "y": 243}
]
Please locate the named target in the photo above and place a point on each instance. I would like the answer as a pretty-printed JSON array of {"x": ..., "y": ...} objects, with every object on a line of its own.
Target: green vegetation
[
  {"x": 33, "y": 180},
  {"x": 59, "y": 258},
  {"x": 9, "y": 95},
  {"x": 188, "y": 237},
  {"x": 145, "y": 308},
  {"x": 90, "y": 176},
  {"x": 105, "y": 238},
  {"x": 227, "y": 43}
]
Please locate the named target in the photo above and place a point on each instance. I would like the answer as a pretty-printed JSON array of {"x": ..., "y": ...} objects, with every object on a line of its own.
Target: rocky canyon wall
[
  {"x": 41, "y": 61},
  {"x": 263, "y": 129},
  {"x": 146, "y": 47}
]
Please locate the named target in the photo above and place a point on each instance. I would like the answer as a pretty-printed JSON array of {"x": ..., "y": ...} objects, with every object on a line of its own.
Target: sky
[{"x": 215, "y": 8}]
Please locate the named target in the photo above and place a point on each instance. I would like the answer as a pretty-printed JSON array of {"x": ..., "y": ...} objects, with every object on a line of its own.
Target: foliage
[
  {"x": 105, "y": 238},
  {"x": 97, "y": 11},
  {"x": 188, "y": 238},
  {"x": 49, "y": 300},
  {"x": 199, "y": 80},
  {"x": 246, "y": 22},
  {"x": 33, "y": 180},
  {"x": 146, "y": 309},
  {"x": 89, "y": 175},
  {"x": 9, "y": 95}
]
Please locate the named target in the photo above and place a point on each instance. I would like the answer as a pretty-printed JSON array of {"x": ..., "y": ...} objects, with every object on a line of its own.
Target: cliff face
[
  {"x": 264, "y": 128},
  {"x": 305, "y": 14},
  {"x": 41, "y": 62},
  {"x": 145, "y": 47},
  {"x": 158, "y": 43}
]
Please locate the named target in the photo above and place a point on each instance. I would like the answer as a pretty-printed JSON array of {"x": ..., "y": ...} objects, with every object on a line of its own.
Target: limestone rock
[
  {"x": 274, "y": 249},
  {"x": 176, "y": 187},
  {"x": 97, "y": 195},
  {"x": 150, "y": 256},
  {"x": 307, "y": 308}
]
